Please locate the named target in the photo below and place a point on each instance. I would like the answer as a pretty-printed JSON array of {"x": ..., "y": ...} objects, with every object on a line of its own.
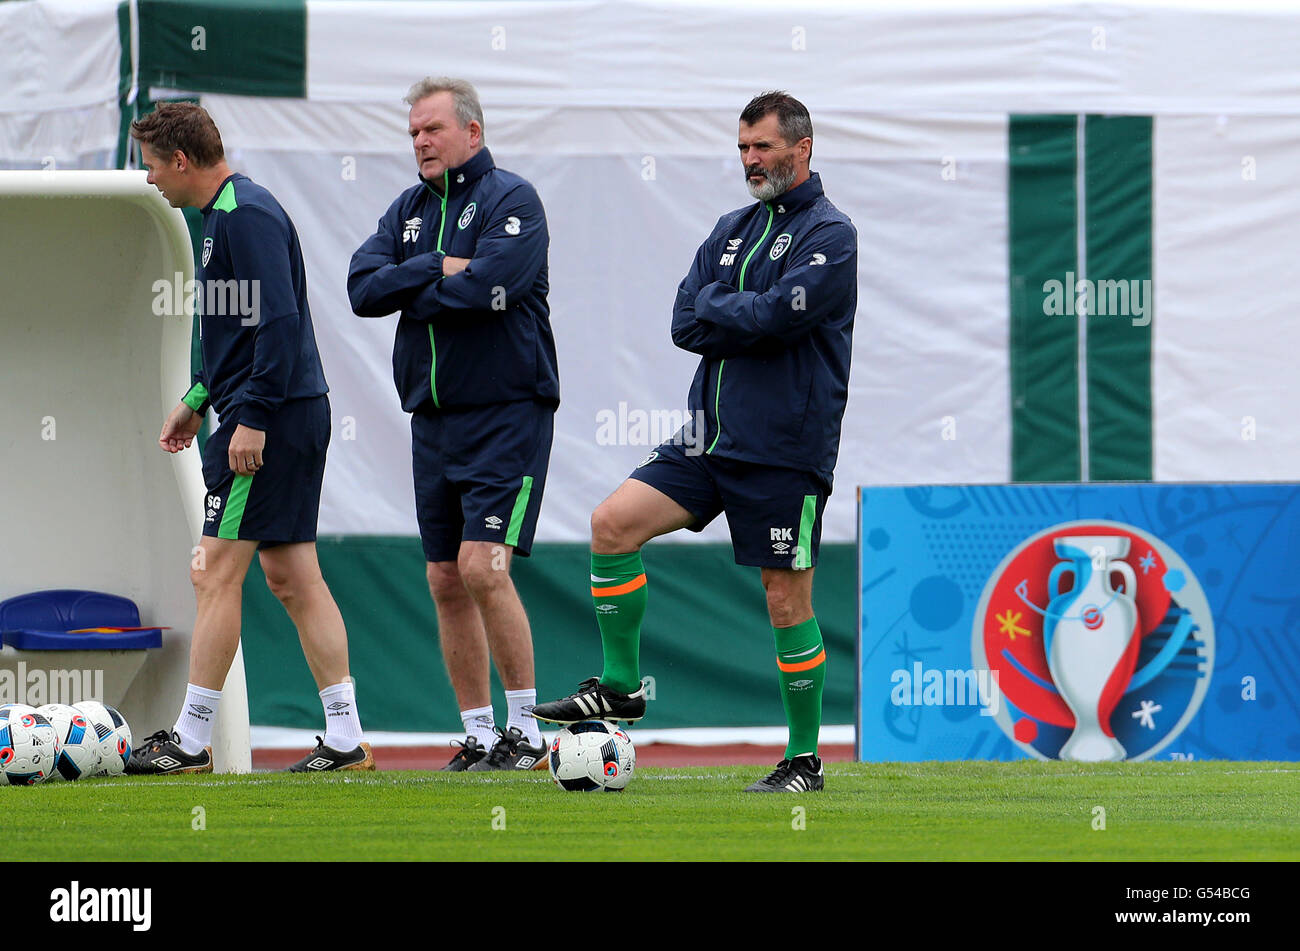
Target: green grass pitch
[{"x": 1035, "y": 811}]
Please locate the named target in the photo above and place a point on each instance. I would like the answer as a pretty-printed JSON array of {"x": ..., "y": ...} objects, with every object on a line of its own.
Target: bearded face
[{"x": 766, "y": 183}]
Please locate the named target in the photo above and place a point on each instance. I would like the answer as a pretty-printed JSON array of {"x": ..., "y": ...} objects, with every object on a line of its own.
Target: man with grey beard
[{"x": 768, "y": 306}]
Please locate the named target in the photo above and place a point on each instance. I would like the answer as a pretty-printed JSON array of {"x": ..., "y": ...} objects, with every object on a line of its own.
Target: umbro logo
[
  {"x": 733, "y": 244},
  {"x": 338, "y": 705},
  {"x": 200, "y": 708},
  {"x": 411, "y": 230},
  {"x": 801, "y": 684},
  {"x": 320, "y": 762},
  {"x": 525, "y": 762},
  {"x": 167, "y": 762},
  {"x": 607, "y": 609},
  {"x": 492, "y": 522},
  {"x": 780, "y": 548}
]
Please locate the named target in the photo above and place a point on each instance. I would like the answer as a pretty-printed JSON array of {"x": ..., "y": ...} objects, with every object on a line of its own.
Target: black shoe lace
[
  {"x": 504, "y": 748},
  {"x": 156, "y": 739},
  {"x": 467, "y": 748},
  {"x": 590, "y": 685},
  {"x": 783, "y": 773}
]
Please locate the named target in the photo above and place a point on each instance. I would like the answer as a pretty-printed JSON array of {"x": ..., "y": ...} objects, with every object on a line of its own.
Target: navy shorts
[
  {"x": 279, "y": 504},
  {"x": 774, "y": 513},
  {"x": 479, "y": 475}
]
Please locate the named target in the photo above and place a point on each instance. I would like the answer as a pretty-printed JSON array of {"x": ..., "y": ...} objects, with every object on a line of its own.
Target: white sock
[
  {"x": 342, "y": 724},
  {"x": 478, "y": 724},
  {"x": 517, "y": 701},
  {"x": 198, "y": 714}
]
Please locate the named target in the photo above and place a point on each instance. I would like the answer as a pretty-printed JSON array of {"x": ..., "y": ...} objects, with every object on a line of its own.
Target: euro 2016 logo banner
[{"x": 1087, "y": 623}]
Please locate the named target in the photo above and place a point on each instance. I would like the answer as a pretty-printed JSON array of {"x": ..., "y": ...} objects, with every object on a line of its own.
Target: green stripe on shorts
[
  {"x": 803, "y": 549},
  {"x": 235, "y": 502},
  {"x": 521, "y": 508}
]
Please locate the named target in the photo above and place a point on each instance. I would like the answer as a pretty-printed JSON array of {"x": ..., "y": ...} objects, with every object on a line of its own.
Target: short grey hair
[
  {"x": 464, "y": 95},
  {"x": 791, "y": 115}
]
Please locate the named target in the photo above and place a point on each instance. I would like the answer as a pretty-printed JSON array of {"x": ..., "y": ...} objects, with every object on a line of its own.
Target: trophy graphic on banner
[{"x": 1090, "y": 636}]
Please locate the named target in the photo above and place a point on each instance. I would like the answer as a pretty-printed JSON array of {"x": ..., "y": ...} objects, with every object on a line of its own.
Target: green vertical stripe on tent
[
  {"x": 237, "y": 47},
  {"x": 521, "y": 508},
  {"x": 235, "y": 502},
  {"x": 803, "y": 547},
  {"x": 125, "y": 111},
  {"x": 1041, "y": 196},
  {"x": 1118, "y": 196}
]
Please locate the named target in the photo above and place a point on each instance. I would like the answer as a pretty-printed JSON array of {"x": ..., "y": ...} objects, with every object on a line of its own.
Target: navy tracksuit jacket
[
  {"x": 769, "y": 305},
  {"x": 259, "y": 348},
  {"x": 479, "y": 337}
]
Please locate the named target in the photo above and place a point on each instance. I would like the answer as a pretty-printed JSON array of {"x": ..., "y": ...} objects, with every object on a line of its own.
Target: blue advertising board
[{"x": 1096, "y": 622}]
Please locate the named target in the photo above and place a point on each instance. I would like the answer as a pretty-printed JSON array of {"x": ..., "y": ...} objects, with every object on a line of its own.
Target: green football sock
[
  {"x": 618, "y": 587},
  {"x": 801, "y": 660}
]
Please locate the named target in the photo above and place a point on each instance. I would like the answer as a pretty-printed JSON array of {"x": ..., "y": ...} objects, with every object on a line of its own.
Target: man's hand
[
  {"x": 452, "y": 265},
  {"x": 245, "y": 450},
  {"x": 179, "y": 430}
]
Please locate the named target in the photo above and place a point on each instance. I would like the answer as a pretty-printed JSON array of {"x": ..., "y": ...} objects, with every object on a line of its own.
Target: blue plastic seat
[{"x": 41, "y": 621}]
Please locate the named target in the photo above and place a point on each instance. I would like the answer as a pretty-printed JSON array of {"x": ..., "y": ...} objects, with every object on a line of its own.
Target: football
[
  {"x": 29, "y": 748},
  {"x": 79, "y": 749},
  {"x": 114, "y": 736},
  {"x": 592, "y": 756}
]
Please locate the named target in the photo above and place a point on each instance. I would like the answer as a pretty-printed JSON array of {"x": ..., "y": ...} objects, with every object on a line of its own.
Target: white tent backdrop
[
  {"x": 59, "y": 94},
  {"x": 623, "y": 114},
  {"x": 620, "y": 243}
]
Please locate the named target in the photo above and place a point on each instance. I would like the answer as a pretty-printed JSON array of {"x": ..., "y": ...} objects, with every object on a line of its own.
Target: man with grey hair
[
  {"x": 462, "y": 255},
  {"x": 768, "y": 306}
]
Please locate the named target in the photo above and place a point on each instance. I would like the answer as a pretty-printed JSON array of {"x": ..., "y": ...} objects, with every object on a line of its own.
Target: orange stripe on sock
[
  {"x": 804, "y": 664},
  {"x": 637, "y": 582}
]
